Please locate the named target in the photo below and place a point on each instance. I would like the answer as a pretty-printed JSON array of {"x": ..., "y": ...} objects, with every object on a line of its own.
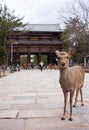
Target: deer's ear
[{"x": 57, "y": 53}]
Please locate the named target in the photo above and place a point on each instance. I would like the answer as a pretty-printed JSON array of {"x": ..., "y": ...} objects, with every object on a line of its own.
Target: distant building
[{"x": 35, "y": 39}]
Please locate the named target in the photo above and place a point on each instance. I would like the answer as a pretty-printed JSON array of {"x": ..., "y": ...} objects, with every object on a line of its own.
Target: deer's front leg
[
  {"x": 65, "y": 104},
  {"x": 71, "y": 100}
]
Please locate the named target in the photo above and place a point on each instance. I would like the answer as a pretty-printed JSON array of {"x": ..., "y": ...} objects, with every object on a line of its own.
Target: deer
[{"x": 71, "y": 80}]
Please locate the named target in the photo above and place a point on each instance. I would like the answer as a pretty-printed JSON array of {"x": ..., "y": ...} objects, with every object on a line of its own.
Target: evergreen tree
[
  {"x": 8, "y": 21},
  {"x": 76, "y": 36}
]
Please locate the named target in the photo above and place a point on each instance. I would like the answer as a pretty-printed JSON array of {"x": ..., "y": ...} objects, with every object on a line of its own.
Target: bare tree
[
  {"x": 81, "y": 10},
  {"x": 76, "y": 32}
]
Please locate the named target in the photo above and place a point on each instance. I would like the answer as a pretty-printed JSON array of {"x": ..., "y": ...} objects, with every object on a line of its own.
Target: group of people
[
  {"x": 28, "y": 66},
  {"x": 32, "y": 66},
  {"x": 40, "y": 66}
]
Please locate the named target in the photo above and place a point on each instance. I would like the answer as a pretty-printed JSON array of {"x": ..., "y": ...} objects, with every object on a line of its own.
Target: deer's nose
[{"x": 63, "y": 64}]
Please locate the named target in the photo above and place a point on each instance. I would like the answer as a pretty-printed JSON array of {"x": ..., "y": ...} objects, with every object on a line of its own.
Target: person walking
[
  {"x": 41, "y": 64},
  {"x": 32, "y": 65}
]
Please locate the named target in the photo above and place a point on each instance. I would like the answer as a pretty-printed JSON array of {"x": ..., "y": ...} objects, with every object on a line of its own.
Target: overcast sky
[{"x": 38, "y": 11}]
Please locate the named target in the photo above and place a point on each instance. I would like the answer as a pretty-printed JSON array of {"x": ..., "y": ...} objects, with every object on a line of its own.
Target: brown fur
[{"x": 71, "y": 80}]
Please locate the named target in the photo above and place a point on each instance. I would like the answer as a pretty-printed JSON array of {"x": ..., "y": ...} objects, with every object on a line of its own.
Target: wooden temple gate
[{"x": 35, "y": 42}]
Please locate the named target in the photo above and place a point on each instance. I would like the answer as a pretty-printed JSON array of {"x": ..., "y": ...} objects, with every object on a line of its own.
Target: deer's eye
[{"x": 67, "y": 57}]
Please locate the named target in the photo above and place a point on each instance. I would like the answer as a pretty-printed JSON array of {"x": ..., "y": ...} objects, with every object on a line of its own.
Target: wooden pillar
[
  {"x": 39, "y": 57},
  {"x": 8, "y": 59},
  {"x": 50, "y": 57},
  {"x": 28, "y": 58},
  {"x": 16, "y": 58},
  {"x": 54, "y": 58}
]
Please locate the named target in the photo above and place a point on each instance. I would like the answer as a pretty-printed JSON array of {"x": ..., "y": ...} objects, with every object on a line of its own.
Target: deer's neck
[
  {"x": 65, "y": 81},
  {"x": 64, "y": 73}
]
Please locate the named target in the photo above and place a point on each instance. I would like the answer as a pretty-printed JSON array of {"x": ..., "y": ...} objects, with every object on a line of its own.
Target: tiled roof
[{"x": 40, "y": 28}]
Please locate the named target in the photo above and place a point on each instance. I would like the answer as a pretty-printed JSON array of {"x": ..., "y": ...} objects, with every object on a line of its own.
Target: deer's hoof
[
  {"x": 63, "y": 118},
  {"x": 74, "y": 106},
  {"x": 82, "y": 104},
  {"x": 70, "y": 119}
]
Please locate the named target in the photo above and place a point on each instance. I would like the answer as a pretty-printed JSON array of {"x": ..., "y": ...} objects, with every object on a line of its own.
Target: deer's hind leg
[
  {"x": 76, "y": 97},
  {"x": 82, "y": 104}
]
